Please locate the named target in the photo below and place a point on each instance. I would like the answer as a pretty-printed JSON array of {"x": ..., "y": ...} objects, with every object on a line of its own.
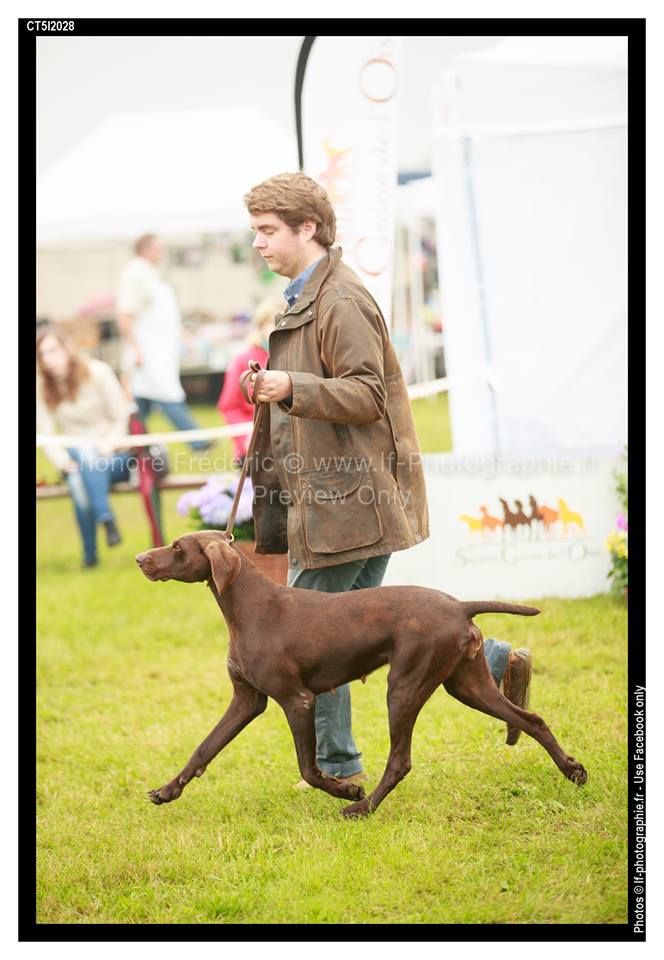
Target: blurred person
[
  {"x": 81, "y": 396},
  {"x": 149, "y": 321},
  {"x": 231, "y": 403},
  {"x": 338, "y": 458}
]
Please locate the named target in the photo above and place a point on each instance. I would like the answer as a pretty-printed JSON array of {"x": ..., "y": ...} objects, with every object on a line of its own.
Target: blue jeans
[
  {"x": 177, "y": 412},
  {"x": 336, "y": 752},
  {"x": 89, "y": 488},
  {"x": 497, "y": 653}
]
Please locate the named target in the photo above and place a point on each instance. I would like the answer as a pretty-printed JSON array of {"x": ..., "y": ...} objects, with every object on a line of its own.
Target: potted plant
[
  {"x": 616, "y": 542},
  {"x": 209, "y": 508}
]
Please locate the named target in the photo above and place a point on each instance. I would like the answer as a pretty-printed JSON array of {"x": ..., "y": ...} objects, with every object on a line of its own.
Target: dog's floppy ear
[{"x": 225, "y": 564}]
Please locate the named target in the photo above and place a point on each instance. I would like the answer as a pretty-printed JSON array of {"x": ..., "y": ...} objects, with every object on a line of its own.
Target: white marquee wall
[{"x": 530, "y": 171}]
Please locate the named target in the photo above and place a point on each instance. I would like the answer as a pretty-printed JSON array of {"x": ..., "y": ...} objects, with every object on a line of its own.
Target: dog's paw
[
  {"x": 576, "y": 772},
  {"x": 170, "y": 791},
  {"x": 361, "y": 809},
  {"x": 356, "y": 792}
]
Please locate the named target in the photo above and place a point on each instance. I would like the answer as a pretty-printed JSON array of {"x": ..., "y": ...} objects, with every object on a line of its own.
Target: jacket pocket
[{"x": 340, "y": 511}]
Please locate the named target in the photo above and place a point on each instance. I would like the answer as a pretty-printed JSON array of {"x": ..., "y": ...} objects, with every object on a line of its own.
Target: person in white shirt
[
  {"x": 150, "y": 323},
  {"x": 82, "y": 397}
]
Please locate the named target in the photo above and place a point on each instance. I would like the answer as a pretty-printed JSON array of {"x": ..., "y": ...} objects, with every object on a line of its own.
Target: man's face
[
  {"x": 153, "y": 251},
  {"x": 282, "y": 248}
]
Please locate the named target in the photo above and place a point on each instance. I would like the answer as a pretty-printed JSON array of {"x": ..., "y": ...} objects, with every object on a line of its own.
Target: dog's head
[{"x": 193, "y": 558}]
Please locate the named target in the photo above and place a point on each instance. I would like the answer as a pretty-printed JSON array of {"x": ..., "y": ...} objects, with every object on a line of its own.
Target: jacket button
[
  {"x": 311, "y": 313},
  {"x": 283, "y": 323},
  {"x": 277, "y": 440}
]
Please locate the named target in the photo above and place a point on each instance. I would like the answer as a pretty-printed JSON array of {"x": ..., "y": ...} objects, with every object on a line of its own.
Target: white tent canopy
[
  {"x": 529, "y": 162},
  {"x": 530, "y": 174},
  {"x": 170, "y": 172},
  {"x": 530, "y": 84},
  {"x": 585, "y": 53}
]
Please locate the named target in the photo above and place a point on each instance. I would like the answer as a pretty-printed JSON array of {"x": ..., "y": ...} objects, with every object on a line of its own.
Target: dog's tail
[{"x": 473, "y": 607}]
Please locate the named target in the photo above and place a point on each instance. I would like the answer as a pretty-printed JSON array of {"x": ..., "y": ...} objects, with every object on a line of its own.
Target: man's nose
[{"x": 259, "y": 242}]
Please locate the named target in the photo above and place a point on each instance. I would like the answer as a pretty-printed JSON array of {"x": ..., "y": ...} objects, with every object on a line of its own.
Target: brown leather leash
[{"x": 250, "y": 396}]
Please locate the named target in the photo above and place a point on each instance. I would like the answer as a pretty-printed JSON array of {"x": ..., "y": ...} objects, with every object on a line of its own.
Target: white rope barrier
[
  {"x": 146, "y": 439},
  {"x": 416, "y": 391}
]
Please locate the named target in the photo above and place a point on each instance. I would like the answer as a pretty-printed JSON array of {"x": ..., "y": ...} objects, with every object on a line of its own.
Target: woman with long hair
[{"x": 81, "y": 397}]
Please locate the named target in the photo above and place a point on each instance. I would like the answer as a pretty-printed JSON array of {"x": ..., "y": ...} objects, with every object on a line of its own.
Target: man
[
  {"x": 337, "y": 475},
  {"x": 149, "y": 320}
]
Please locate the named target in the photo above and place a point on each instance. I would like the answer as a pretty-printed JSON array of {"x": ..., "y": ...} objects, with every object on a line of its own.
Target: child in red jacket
[{"x": 231, "y": 403}]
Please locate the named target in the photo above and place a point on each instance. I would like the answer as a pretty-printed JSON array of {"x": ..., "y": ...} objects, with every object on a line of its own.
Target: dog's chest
[{"x": 247, "y": 666}]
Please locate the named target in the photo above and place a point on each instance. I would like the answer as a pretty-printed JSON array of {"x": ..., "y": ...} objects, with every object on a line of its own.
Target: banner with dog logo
[
  {"x": 515, "y": 527},
  {"x": 349, "y": 119}
]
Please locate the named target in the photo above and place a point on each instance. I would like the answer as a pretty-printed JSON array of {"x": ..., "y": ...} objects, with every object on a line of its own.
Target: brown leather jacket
[{"x": 337, "y": 474}]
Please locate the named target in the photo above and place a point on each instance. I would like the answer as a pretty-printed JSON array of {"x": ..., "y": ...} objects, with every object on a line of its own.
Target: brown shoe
[
  {"x": 359, "y": 777},
  {"x": 516, "y": 686}
]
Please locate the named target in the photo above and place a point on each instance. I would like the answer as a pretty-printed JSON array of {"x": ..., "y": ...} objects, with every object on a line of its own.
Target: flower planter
[
  {"x": 272, "y": 565},
  {"x": 209, "y": 508}
]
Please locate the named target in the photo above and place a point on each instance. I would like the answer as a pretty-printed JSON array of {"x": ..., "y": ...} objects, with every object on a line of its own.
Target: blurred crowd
[{"x": 84, "y": 398}]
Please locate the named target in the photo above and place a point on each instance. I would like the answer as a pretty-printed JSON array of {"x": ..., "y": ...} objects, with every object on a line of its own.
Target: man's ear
[
  {"x": 309, "y": 228},
  {"x": 225, "y": 564}
]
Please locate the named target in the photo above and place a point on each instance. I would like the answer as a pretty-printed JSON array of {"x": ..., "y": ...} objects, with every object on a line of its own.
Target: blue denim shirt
[{"x": 294, "y": 288}]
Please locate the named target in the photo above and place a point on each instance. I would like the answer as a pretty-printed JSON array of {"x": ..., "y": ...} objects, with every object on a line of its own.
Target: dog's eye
[{"x": 176, "y": 546}]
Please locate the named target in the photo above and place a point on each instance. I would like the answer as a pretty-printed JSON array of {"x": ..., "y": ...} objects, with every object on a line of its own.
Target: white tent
[
  {"x": 171, "y": 172},
  {"x": 529, "y": 161},
  {"x": 530, "y": 173}
]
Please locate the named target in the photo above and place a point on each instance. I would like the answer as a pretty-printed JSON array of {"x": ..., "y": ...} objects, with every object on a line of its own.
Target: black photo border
[{"x": 635, "y": 29}]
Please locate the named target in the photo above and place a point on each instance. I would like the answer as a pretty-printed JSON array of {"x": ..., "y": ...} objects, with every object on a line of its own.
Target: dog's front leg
[
  {"x": 299, "y": 709},
  {"x": 247, "y": 704}
]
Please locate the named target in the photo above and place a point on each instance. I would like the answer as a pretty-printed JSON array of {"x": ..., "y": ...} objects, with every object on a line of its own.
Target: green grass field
[{"x": 131, "y": 677}]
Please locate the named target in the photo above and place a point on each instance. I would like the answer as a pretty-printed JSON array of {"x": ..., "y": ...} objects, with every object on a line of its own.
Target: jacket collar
[{"x": 314, "y": 283}]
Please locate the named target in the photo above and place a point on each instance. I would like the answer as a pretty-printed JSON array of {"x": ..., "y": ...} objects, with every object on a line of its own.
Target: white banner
[
  {"x": 349, "y": 118},
  {"x": 515, "y": 528}
]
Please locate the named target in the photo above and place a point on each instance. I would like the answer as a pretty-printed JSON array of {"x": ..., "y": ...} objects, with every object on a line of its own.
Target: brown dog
[{"x": 292, "y": 644}]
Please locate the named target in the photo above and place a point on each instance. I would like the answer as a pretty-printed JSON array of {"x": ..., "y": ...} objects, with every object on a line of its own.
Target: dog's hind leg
[
  {"x": 247, "y": 704},
  {"x": 472, "y": 684},
  {"x": 406, "y": 695}
]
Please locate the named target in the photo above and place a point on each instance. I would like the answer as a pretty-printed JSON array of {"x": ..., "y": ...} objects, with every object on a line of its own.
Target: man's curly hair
[{"x": 294, "y": 198}]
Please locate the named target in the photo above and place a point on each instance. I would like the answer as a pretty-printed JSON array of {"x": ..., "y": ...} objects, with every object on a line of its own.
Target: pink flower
[{"x": 621, "y": 522}]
